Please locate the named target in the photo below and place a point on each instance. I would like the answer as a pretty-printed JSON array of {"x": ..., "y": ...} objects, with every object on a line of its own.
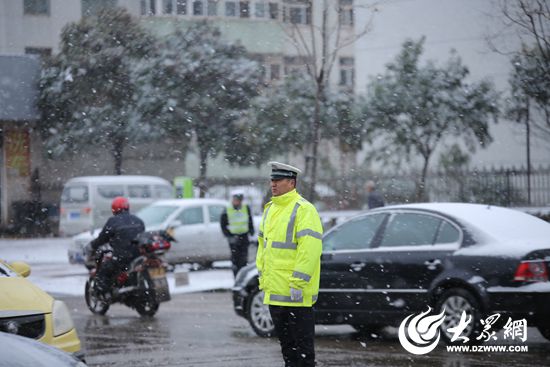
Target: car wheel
[
  {"x": 146, "y": 304},
  {"x": 371, "y": 330},
  {"x": 455, "y": 301},
  {"x": 258, "y": 314},
  {"x": 94, "y": 303},
  {"x": 544, "y": 330}
]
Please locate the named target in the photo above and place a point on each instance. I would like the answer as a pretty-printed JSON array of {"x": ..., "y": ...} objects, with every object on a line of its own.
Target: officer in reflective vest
[
  {"x": 289, "y": 262},
  {"x": 236, "y": 223}
]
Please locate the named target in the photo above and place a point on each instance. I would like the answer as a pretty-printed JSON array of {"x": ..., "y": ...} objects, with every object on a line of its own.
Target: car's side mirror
[
  {"x": 21, "y": 268},
  {"x": 175, "y": 224}
]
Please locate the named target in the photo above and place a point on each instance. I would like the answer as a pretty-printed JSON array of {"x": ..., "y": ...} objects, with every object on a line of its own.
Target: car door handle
[
  {"x": 432, "y": 264},
  {"x": 358, "y": 266}
]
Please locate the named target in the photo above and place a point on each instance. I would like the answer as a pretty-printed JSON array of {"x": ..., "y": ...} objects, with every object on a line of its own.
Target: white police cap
[
  {"x": 237, "y": 193},
  {"x": 282, "y": 170}
]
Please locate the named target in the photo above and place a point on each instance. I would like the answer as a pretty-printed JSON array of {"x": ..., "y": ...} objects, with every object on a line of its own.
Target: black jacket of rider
[{"x": 119, "y": 231}]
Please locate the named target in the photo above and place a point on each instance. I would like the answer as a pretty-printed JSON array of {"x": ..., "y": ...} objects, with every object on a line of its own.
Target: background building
[
  {"x": 19, "y": 144},
  {"x": 267, "y": 29}
]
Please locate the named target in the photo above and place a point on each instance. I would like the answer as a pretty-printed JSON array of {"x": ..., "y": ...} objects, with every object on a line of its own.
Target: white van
[{"x": 86, "y": 201}]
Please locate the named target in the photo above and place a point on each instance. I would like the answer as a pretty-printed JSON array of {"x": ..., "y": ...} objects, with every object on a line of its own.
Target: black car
[{"x": 386, "y": 264}]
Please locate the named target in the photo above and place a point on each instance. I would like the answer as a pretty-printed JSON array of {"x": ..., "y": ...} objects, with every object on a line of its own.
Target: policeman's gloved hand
[
  {"x": 232, "y": 240},
  {"x": 295, "y": 294}
]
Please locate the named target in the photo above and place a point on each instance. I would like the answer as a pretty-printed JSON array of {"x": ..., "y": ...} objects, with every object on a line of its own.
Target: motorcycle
[{"x": 143, "y": 286}]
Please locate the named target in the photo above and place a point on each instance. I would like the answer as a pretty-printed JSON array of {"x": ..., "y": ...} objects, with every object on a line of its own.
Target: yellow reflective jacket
[
  {"x": 237, "y": 219},
  {"x": 289, "y": 250}
]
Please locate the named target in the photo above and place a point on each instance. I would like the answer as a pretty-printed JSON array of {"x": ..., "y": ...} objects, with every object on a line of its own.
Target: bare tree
[
  {"x": 529, "y": 101},
  {"x": 319, "y": 44}
]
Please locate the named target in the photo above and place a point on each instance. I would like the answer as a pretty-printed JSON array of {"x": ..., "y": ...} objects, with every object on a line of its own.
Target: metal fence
[
  {"x": 496, "y": 186},
  {"x": 506, "y": 187}
]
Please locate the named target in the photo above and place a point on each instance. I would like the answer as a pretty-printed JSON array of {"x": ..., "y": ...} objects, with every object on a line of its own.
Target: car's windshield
[{"x": 155, "y": 214}]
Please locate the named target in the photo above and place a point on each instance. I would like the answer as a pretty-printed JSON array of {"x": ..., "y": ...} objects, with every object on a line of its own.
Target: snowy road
[
  {"x": 201, "y": 328},
  {"x": 51, "y": 271}
]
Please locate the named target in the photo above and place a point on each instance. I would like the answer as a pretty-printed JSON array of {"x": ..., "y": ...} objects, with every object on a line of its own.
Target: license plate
[
  {"x": 157, "y": 272},
  {"x": 74, "y": 215}
]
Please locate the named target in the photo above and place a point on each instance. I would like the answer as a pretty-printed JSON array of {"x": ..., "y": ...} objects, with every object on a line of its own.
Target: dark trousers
[
  {"x": 239, "y": 251},
  {"x": 107, "y": 272},
  {"x": 295, "y": 328}
]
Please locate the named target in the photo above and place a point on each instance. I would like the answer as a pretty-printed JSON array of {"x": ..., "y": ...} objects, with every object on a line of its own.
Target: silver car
[{"x": 196, "y": 228}]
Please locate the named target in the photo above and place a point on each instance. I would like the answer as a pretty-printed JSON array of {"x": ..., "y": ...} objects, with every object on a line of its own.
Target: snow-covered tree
[
  {"x": 199, "y": 86},
  {"x": 281, "y": 117},
  {"x": 319, "y": 45},
  {"x": 414, "y": 108},
  {"x": 348, "y": 129},
  {"x": 87, "y": 95},
  {"x": 529, "y": 100}
]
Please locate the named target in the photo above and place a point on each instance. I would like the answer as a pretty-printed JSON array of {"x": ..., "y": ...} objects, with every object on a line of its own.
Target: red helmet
[{"x": 120, "y": 204}]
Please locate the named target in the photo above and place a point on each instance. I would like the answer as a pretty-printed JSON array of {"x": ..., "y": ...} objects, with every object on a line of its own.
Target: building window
[
  {"x": 93, "y": 7},
  {"x": 298, "y": 12},
  {"x": 198, "y": 7},
  {"x": 167, "y": 6},
  {"x": 36, "y": 7},
  {"x": 244, "y": 7},
  {"x": 274, "y": 11},
  {"x": 181, "y": 7},
  {"x": 212, "y": 8},
  {"x": 230, "y": 9},
  {"x": 345, "y": 12},
  {"x": 259, "y": 9},
  {"x": 43, "y": 52},
  {"x": 148, "y": 7},
  {"x": 275, "y": 72},
  {"x": 347, "y": 72},
  {"x": 295, "y": 65}
]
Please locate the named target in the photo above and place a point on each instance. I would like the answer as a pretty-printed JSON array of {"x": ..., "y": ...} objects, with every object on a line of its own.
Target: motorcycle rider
[{"x": 119, "y": 231}]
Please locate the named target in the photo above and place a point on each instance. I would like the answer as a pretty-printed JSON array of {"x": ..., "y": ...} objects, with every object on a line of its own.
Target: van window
[
  {"x": 74, "y": 194},
  {"x": 163, "y": 192},
  {"x": 110, "y": 191},
  {"x": 139, "y": 191}
]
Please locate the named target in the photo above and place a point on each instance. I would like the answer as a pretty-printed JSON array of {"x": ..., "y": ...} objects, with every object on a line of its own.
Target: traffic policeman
[
  {"x": 289, "y": 262},
  {"x": 236, "y": 223}
]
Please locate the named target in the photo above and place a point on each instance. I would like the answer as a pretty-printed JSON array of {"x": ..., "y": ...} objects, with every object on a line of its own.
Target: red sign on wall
[{"x": 18, "y": 152}]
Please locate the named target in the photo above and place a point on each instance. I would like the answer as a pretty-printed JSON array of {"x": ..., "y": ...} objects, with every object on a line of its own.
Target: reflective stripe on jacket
[
  {"x": 237, "y": 219},
  {"x": 289, "y": 250}
]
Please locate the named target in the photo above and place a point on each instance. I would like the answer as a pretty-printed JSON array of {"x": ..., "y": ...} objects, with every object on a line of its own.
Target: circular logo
[{"x": 421, "y": 334}]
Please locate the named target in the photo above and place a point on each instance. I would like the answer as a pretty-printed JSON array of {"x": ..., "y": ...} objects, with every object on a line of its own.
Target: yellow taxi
[{"x": 27, "y": 310}]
